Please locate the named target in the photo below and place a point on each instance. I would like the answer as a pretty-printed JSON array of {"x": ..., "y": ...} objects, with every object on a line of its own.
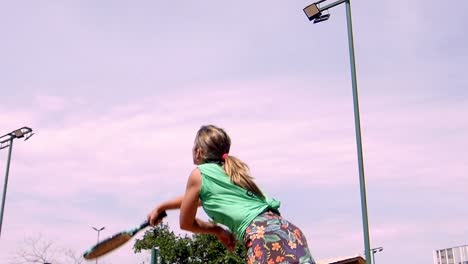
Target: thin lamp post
[
  {"x": 7, "y": 141},
  {"x": 375, "y": 250},
  {"x": 98, "y": 231},
  {"x": 154, "y": 255},
  {"x": 314, "y": 12}
]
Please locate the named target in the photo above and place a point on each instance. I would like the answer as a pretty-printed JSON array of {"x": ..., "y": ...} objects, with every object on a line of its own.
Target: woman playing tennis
[{"x": 222, "y": 184}]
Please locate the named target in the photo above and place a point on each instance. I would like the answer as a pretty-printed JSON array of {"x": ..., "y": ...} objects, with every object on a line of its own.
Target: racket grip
[{"x": 160, "y": 216}]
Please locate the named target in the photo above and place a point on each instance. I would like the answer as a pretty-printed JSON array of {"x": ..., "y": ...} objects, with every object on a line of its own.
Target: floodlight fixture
[
  {"x": 321, "y": 18},
  {"x": 99, "y": 229},
  {"x": 24, "y": 132},
  {"x": 313, "y": 11},
  {"x": 29, "y": 136},
  {"x": 375, "y": 250},
  {"x": 18, "y": 133}
]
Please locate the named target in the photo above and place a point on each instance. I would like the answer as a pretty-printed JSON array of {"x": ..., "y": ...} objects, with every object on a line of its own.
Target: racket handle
[{"x": 160, "y": 216}]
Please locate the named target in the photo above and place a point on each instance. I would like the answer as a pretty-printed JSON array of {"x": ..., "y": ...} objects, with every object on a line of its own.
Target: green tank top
[{"x": 229, "y": 204}]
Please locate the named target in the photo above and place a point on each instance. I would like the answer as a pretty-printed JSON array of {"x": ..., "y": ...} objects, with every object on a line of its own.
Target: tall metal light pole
[
  {"x": 7, "y": 141},
  {"x": 314, "y": 12},
  {"x": 98, "y": 231}
]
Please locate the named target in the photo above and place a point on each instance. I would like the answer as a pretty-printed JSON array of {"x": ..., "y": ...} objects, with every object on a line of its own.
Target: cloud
[
  {"x": 50, "y": 103},
  {"x": 127, "y": 143}
]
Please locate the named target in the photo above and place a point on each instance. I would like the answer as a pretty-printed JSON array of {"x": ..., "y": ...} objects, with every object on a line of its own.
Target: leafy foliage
[{"x": 197, "y": 249}]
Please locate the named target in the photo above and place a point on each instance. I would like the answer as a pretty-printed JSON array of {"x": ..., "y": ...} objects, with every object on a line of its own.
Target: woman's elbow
[{"x": 184, "y": 225}]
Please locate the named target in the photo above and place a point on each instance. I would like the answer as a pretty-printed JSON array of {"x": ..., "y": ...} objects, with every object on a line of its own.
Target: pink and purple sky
[{"x": 116, "y": 90}]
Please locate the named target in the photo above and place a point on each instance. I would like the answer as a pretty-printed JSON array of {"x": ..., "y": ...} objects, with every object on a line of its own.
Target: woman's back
[{"x": 229, "y": 204}]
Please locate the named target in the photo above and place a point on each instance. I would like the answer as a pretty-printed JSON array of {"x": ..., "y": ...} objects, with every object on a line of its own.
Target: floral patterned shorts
[{"x": 270, "y": 239}]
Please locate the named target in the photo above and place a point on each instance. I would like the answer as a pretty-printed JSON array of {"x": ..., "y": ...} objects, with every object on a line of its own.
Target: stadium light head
[
  {"x": 18, "y": 133},
  {"x": 312, "y": 11},
  {"x": 28, "y": 136},
  {"x": 24, "y": 132},
  {"x": 321, "y": 18},
  {"x": 375, "y": 250}
]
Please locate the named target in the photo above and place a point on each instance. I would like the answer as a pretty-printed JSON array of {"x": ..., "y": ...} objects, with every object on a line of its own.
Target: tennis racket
[{"x": 109, "y": 244}]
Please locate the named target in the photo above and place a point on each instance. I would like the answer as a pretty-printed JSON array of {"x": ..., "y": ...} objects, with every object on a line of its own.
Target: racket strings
[
  {"x": 107, "y": 245},
  {"x": 116, "y": 241}
]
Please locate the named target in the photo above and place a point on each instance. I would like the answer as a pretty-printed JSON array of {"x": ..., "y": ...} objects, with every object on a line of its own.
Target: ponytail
[
  {"x": 239, "y": 174},
  {"x": 214, "y": 144}
]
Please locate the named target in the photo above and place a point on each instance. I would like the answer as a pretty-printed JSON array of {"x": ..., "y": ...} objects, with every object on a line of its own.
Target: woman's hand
[
  {"x": 153, "y": 216},
  {"x": 226, "y": 238}
]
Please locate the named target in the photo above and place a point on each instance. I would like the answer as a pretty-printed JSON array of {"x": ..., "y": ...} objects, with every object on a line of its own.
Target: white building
[
  {"x": 356, "y": 259},
  {"x": 455, "y": 255}
]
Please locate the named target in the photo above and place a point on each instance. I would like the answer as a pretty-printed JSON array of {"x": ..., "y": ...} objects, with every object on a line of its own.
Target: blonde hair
[{"x": 213, "y": 142}]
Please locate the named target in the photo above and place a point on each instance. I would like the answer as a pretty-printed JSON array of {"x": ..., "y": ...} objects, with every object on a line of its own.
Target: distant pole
[
  {"x": 7, "y": 141},
  {"x": 375, "y": 250},
  {"x": 154, "y": 255},
  {"x": 98, "y": 231},
  {"x": 6, "y": 182}
]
